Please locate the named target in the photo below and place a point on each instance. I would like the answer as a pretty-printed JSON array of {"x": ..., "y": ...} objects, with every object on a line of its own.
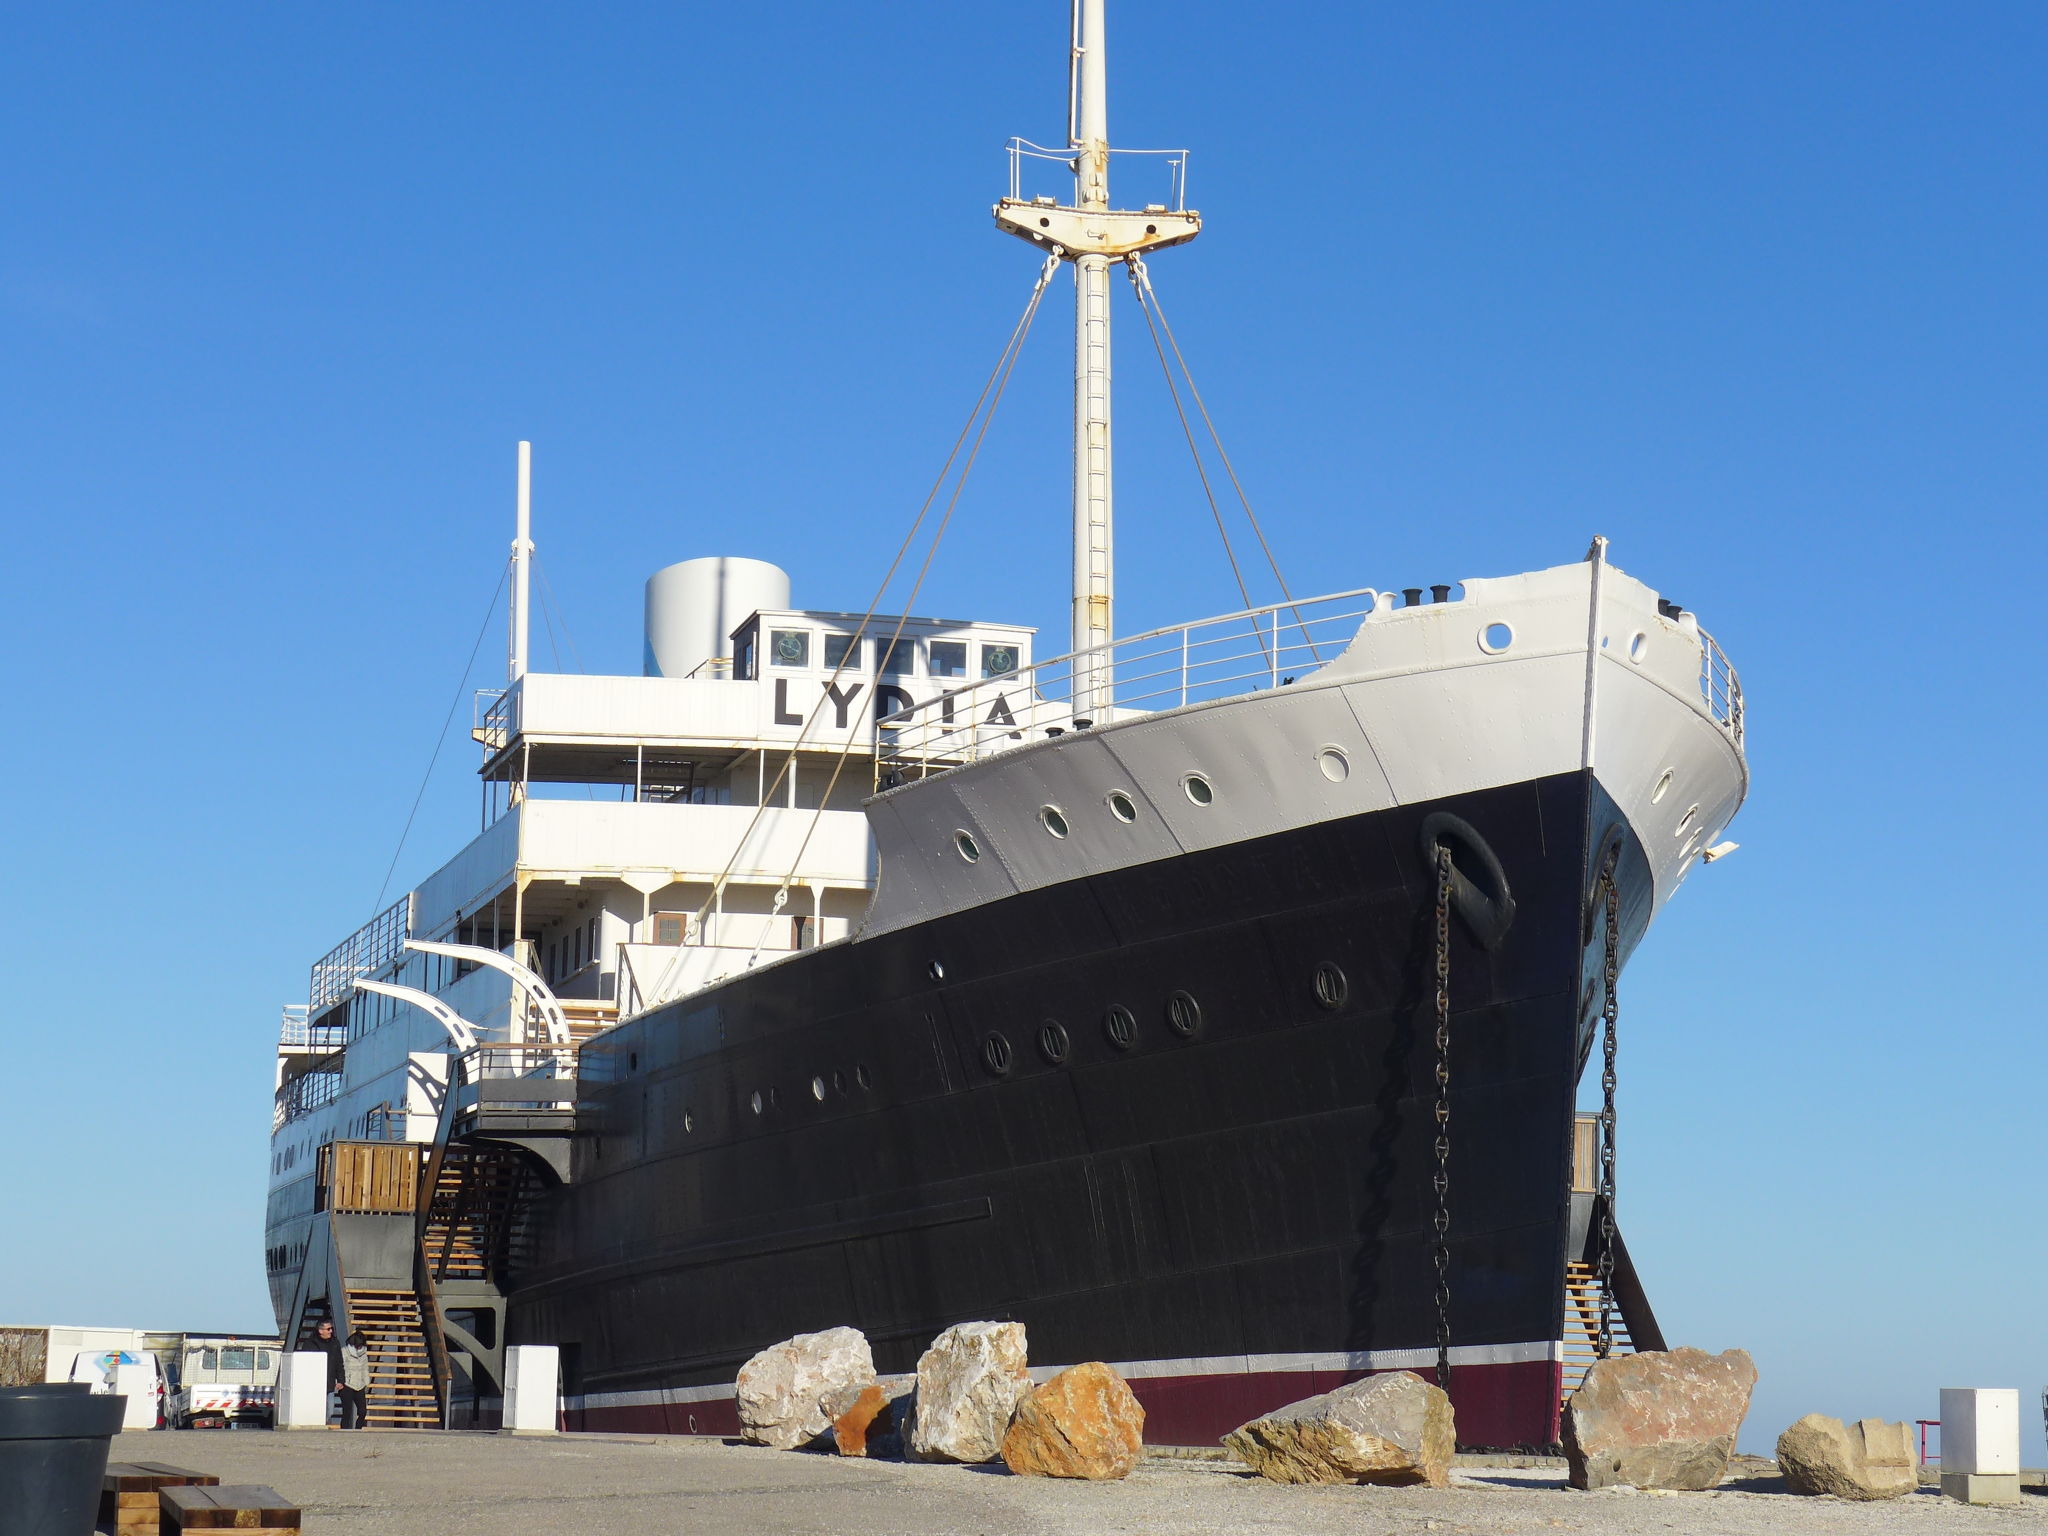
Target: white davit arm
[
  {"x": 460, "y": 1030},
  {"x": 552, "y": 1017}
]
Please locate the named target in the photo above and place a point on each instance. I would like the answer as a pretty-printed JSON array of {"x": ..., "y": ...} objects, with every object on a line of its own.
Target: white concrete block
[
  {"x": 302, "y": 1390},
  {"x": 532, "y": 1389},
  {"x": 137, "y": 1383},
  {"x": 1980, "y": 1431}
]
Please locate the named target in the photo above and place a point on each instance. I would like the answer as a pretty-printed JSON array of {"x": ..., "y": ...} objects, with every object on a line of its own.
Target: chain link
[
  {"x": 1442, "y": 1252},
  {"x": 1609, "y": 1013}
]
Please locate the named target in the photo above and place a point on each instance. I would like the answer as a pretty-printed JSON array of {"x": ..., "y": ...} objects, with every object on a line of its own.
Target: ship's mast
[
  {"x": 1093, "y": 236},
  {"x": 522, "y": 565},
  {"x": 1094, "y": 568}
]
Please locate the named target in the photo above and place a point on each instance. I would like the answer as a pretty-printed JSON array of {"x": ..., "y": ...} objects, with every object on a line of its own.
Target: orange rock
[
  {"x": 1085, "y": 1422},
  {"x": 871, "y": 1413}
]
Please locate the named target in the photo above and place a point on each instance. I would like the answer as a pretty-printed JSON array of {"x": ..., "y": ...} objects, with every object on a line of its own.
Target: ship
[{"x": 1219, "y": 1002}]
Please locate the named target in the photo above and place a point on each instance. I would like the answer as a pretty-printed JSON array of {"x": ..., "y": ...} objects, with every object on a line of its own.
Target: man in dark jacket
[{"x": 330, "y": 1346}]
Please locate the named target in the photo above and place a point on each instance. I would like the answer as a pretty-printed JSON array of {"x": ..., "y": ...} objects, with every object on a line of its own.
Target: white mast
[
  {"x": 522, "y": 564},
  {"x": 1094, "y": 570},
  {"x": 1093, "y": 236}
]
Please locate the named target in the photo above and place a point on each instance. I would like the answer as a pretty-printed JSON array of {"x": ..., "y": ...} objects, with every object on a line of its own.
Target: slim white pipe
[{"x": 522, "y": 552}]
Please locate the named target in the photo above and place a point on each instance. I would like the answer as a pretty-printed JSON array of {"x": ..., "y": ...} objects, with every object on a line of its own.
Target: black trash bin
[{"x": 53, "y": 1453}]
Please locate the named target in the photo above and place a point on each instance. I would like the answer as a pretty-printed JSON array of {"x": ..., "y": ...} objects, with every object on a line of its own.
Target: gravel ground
[{"x": 401, "y": 1484}]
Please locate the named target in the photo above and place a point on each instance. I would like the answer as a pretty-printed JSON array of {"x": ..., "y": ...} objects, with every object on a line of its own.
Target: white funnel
[{"x": 694, "y": 606}]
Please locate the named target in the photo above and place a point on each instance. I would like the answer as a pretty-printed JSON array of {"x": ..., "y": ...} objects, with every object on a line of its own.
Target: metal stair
[
  {"x": 401, "y": 1394},
  {"x": 473, "y": 1229}
]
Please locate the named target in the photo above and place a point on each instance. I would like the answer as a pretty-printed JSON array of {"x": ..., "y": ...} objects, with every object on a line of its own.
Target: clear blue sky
[{"x": 1755, "y": 290}]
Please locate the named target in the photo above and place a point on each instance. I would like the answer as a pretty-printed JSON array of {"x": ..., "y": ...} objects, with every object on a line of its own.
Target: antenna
[{"x": 522, "y": 564}]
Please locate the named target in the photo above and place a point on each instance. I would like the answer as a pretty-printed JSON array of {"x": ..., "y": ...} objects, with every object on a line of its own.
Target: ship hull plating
[{"x": 1234, "y": 1203}]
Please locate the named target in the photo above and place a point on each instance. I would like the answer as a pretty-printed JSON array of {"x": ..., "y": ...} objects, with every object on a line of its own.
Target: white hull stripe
[{"x": 1138, "y": 1370}]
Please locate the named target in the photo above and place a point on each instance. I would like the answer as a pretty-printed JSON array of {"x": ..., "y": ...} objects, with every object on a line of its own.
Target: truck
[{"x": 222, "y": 1381}]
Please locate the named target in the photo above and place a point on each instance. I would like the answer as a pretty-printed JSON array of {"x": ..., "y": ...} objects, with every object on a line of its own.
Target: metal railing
[
  {"x": 315, "y": 1088},
  {"x": 376, "y": 943},
  {"x": 1163, "y": 669},
  {"x": 1020, "y": 150},
  {"x": 296, "y": 1033},
  {"x": 1720, "y": 687},
  {"x": 491, "y": 718},
  {"x": 533, "y": 1076}
]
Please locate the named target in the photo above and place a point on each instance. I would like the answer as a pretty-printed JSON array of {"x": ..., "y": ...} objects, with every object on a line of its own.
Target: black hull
[{"x": 1256, "y": 1193}]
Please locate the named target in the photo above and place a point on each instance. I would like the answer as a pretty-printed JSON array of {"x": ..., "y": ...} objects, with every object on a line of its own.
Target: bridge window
[
  {"x": 998, "y": 659},
  {"x": 947, "y": 658},
  {"x": 899, "y": 656},
  {"x": 843, "y": 650},
  {"x": 789, "y": 647}
]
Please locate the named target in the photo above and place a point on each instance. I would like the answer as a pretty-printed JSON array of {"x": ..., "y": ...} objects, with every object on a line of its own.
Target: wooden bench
[
  {"x": 237, "y": 1507},
  {"x": 128, "y": 1494}
]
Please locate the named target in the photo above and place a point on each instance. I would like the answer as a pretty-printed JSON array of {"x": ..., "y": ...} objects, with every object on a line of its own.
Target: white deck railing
[
  {"x": 1720, "y": 687},
  {"x": 1162, "y": 669}
]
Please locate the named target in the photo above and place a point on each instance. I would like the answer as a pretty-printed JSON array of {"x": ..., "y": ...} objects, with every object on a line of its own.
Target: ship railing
[
  {"x": 375, "y": 944},
  {"x": 492, "y": 717},
  {"x": 315, "y": 1088},
  {"x": 1720, "y": 687},
  {"x": 1175, "y": 163},
  {"x": 296, "y": 1033},
  {"x": 1259, "y": 648},
  {"x": 521, "y": 1076}
]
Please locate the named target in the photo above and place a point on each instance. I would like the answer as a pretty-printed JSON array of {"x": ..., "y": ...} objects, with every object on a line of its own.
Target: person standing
[
  {"x": 328, "y": 1345},
  {"x": 355, "y": 1379}
]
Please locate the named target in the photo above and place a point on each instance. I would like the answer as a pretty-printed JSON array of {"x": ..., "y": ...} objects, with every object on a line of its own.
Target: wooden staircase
[
  {"x": 1582, "y": 1325},
  {"x": 401, "y": 1394}
]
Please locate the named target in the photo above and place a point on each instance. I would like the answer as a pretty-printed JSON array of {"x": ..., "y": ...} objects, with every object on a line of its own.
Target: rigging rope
[
  {"x": 998, "y": 377},
  {"x": 1148, "y": 300},
  {"x": 490, "y": 611},
  {"x": 1139, "y": 281}
]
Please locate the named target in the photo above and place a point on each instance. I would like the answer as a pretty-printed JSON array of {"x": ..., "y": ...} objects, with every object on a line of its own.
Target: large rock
[
  {"x": 1659, "y": 1419},
  {"x": 1869, "y": 1459},
  {"x": 1085, "y": 1422},
  {"x": 1395, "y": 1428},
  {"x": 968, "y": 1384},
  {"x": 783, "y": 1390},
  {"x": 864, "y": 1419}
]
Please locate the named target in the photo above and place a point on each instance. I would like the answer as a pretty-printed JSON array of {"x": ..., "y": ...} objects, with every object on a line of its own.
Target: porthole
[
  {"x": 1122, "y": 806},
  {"x": 860, "y": 1075},
  {"x": 1685, "y": 822},
  {"x": 633, "y": 1061},
  {"x": 689, "y": 1122},
  {"x": 756, "y": 1101},
  {"x": 838, "y": 1081},
  {"x": 1121, "y": 1025},
  {"x": 1050, "y": 818},
  {"x": 1335, "y": 765},
  {"x": 1496, "y": 637},
  {"x": 936, "y": 970},
  {"x": 1197, "y": 789},
  {"x": 1184, "y": 1015},
  {"x": 1052, "y": 1041},
  {"x": 1638, "y": 647},
  {"x": 1663, "y": 787},
  {"x": 1331, "y": 985},
  {"x": 995, "y": 1053},
  {"x": 818, "y": 1089},
  {"x": 965, "y": 845}
]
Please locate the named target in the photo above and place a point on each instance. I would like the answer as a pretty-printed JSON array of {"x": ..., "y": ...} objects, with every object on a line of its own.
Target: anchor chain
[
  {"x": 1609, "y": 1013},
  {"x": 1442, "y": 1249}
]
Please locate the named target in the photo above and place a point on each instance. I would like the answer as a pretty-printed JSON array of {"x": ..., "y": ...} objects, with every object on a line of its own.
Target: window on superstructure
[
  {"x": 947, "y": 658},
  {"x": 743, "y": 657},
  {"x": 670, "y": 927},
  {"x": 843, "y": 649},
  {"x": 899, "y": 656},
  {"x": 998, "y": 659},
  {"x": 789, "y": 647}
]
